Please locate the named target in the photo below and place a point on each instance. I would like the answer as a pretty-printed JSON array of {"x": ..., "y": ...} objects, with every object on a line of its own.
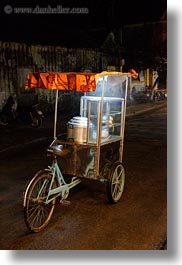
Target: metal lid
[
  {"x": 76, "y": 118},
  {"x": 82, "y": 123}
]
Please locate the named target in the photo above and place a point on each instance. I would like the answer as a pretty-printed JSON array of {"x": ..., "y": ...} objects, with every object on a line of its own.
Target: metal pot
[{"x": 77, "y": 129}]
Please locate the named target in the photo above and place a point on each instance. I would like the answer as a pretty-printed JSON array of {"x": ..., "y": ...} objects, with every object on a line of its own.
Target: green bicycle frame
[{"x": 63, "y": 188}]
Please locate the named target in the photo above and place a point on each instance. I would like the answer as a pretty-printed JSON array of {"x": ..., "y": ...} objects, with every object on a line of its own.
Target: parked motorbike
[{"x": 29, "y": 114}]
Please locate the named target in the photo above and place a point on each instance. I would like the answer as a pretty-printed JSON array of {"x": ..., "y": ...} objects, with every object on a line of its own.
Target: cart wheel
[
  {"x": 38, "y": 214},
  {"x": 115, "y": 183}
]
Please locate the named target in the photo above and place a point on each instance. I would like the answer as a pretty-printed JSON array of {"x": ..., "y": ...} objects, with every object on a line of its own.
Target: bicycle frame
[{"x": 63, "y": 188}]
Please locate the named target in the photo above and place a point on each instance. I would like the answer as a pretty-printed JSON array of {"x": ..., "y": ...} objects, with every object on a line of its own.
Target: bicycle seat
[{"x": 58, "y": 150}]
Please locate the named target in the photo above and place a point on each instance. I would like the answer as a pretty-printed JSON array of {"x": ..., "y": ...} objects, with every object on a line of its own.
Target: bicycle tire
[{"x": 37, "y": 214}]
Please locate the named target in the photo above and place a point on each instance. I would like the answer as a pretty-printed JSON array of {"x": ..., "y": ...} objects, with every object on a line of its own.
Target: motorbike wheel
[
  {"x": 36, "y": 121},
  {"x": 3, "y": 119}
]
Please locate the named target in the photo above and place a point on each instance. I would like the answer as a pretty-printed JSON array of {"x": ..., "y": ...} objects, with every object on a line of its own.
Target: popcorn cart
[{"x": 92, "y": 146}]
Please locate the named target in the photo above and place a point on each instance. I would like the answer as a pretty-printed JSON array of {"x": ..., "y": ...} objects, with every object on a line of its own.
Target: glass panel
[
  {"x": 111, "y": 119},
  {"x": 112, "y": 111},
  {"x": 114, "y": 86},
  {"x": 93, "y": 110}
]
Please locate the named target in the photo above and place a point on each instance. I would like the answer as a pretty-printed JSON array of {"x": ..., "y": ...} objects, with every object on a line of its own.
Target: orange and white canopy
[{"x": 80, "y": 82}]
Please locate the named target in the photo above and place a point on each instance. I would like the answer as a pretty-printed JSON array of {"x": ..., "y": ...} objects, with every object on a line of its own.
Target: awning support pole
[{"x": 55, "y": 115}]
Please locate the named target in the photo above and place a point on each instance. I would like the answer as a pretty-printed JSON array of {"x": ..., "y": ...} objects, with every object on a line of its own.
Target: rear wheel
[
  {"x": 115, "y": 182},
  {"x": 36, "y": 120},
  {"x": 36, "y": 212}
]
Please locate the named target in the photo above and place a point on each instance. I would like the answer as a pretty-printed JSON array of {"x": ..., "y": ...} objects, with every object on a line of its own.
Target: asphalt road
[{"x": 137, "y": 222}]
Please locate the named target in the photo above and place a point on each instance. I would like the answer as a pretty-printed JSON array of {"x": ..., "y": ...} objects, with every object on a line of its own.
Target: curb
[
  {"x": 139, "y": 112},
  {"x": 36, "y": 142}
]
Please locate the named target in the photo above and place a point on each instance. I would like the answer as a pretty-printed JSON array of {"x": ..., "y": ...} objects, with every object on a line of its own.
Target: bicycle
[{"x": 42, "y": 190}]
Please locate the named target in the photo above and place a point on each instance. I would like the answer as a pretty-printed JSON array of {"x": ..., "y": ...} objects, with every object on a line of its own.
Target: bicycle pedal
[{"x": 65, "y": 202}]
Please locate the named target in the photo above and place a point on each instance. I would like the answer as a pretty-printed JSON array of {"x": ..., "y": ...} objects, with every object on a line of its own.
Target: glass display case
[
  {"x": 97, "y": 134},
  {"x": 110, "y": 117},
  {"x": 105, "y": 109}
]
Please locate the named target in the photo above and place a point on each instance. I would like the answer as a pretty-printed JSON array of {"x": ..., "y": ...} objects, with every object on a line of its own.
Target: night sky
[{"x": 99, "y": 17}]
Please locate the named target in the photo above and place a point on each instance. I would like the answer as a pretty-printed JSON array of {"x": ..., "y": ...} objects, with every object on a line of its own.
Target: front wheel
[
  {"x": 36, "y": 212},
  {"x": 115, "y": 182}
]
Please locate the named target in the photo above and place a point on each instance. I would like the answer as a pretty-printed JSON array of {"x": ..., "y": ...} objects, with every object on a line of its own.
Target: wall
[{"x": 17, "y": 59}]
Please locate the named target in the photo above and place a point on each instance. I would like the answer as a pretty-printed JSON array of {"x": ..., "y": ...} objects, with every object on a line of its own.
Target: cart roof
[{"x": 81, "y": 82}]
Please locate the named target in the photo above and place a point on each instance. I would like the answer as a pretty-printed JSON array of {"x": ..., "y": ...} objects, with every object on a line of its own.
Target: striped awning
[{"x": 81, "y": 82}]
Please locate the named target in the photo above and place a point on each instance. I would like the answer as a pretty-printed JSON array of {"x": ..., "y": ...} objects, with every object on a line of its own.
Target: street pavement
[
  {"x": 16, "y": 137},
  {"x": 89, "y": 222}
]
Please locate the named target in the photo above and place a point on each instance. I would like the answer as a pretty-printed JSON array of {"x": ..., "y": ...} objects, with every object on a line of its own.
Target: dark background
[{"x": 75, "y": 29}]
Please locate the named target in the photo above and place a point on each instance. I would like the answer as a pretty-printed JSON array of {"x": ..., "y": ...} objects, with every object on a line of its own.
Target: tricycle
[{"x": 92, "y": 146}]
